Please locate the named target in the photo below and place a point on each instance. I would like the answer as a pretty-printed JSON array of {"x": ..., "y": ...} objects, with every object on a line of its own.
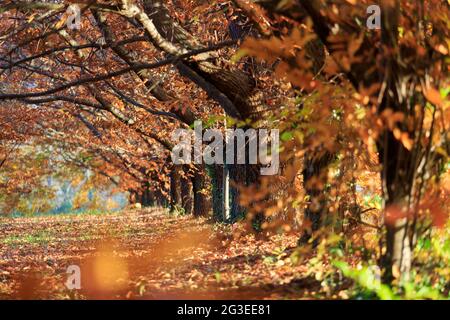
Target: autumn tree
[
  {"x": 396, "y": 73},
  {"x": 135, "y": 71}
]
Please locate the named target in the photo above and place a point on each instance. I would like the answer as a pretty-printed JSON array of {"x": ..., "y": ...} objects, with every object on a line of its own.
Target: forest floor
[{"x": 146, "y": 254}]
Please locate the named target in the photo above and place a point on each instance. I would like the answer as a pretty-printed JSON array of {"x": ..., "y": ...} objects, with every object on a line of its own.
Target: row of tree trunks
[
  {"x": 146, "y": 197},
  {"x": 190, "y": 194},
  {"x": 233, "y": 89}
]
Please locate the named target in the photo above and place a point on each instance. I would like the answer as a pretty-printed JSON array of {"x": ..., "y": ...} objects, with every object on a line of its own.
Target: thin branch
[{"x": 136, "y": 67}]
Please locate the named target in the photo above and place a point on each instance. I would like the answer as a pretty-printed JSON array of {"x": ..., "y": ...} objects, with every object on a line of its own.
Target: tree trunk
[
  {"x": 160, "y": 198},
  {"x": 315, "y": 166},
  {"x": 132, "y": 196},
  {"x": 396, "y": 161},
  {"x": 147, "y": 197},
  {"x": 202, "y": 202},
  {"x": 216, "y": 175},
  {"x": 175, "y": 189},
  {"x": 144, "y": 198},
  {"x": 186, "y": 195}
]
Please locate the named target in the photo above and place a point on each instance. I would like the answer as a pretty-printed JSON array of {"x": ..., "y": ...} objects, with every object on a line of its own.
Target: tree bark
[
  {"x": 202, "y": 202},
  {"x": 175, "y": 189},
  {"x": 187, "y": 194},
  {"x": 315, "y": 166},
  {"x": 396, "y": 161}
]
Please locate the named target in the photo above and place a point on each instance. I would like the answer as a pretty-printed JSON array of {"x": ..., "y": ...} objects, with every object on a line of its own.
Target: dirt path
[{"x": 144, "y": 255}]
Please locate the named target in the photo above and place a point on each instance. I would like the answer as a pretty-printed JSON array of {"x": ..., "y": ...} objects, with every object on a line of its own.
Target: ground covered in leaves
[{"x": 146, "y": 254}]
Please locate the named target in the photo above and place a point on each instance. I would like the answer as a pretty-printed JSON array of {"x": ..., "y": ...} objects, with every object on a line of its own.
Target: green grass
[
  {"x": 39, "y": 237},
  {"x": 93, "y": 212}
]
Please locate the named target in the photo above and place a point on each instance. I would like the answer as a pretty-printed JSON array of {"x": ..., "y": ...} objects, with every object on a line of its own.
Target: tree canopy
[{"x": 362, "y": 112}]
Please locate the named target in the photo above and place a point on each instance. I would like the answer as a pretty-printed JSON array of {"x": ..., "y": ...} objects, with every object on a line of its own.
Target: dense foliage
[{"x": 363, "y": 115}]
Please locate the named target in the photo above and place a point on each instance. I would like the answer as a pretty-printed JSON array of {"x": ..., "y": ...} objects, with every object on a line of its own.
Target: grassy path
[{"x": 145, "y": 254}]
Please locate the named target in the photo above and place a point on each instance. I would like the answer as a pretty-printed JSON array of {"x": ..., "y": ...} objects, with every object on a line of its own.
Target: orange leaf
[{"x": 433, "y": 96}]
